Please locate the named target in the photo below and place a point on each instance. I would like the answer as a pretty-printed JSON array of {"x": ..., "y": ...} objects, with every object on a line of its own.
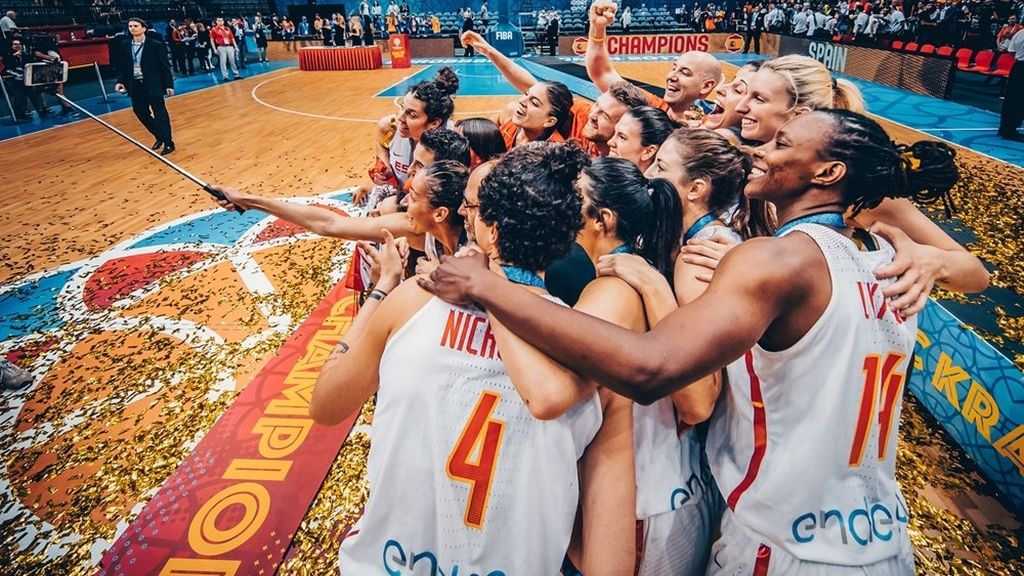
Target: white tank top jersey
[
  {"x": 400, "y": 158},
  {"x": 668, "y": 465},
  {"x": 463, "y": 479},
  {"x": 713, "y": 230},
  {"x": 803, "y": 441}
]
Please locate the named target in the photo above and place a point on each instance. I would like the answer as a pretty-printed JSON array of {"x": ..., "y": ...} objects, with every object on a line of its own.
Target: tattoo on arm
[{"x": 340, "y": 349}]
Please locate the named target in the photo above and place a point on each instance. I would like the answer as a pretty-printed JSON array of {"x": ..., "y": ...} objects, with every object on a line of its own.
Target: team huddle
[{"x": 657, "y": 336}]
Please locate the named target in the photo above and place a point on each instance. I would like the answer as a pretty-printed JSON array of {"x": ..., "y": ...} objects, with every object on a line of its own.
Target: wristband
[
  {"x": 377, "y": 294},
  {"x": 597, "y": 40}
]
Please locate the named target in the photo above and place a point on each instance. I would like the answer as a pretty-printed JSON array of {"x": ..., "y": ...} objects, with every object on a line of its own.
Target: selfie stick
[{"x": 209, "y": 189}]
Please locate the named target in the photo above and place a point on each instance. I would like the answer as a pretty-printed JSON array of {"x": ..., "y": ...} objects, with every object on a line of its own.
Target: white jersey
[
  {"x": 803, "y": 441},
  {"x": 712, "y": 230},
  {"x": 400, "y": 158},
  {"x": 463, "y": 479},
  {"x": 668, "y": 465}
]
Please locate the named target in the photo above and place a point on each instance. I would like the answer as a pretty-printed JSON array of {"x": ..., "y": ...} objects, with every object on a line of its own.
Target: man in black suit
[
  {"x": 755, "y": 24},
  {"x": 144, "y": 72}
]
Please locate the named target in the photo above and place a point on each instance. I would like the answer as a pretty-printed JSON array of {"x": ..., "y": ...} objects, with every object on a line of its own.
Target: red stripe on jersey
[
  {"x": 764, "y": 556},
  {"x": 760, "y": 435},
  {"x": 641, "y": 539}
]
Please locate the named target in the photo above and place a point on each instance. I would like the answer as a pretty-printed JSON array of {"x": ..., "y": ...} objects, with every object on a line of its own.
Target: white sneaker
[{"x": 12, "y": 377}]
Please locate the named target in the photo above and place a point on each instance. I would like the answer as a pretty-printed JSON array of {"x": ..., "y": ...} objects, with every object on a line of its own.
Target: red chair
[
  {"x": 928, "y": 49},
  {"x": 944, "y": 51},
  {"x": 982, "y": 61},
  {"x": 897, "y": 45},
  {"x": 963, "y": 58},
  {"x": 910, "y": 47},
  {"x": 1003, "y": 65}
]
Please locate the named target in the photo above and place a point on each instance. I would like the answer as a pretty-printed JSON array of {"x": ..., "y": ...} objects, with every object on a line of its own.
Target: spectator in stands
[
  {"x": 801, "y": 20},
  {"x": 1007, "y": 32},
  {"x": 404, "y": 10},
  {"x": 776, "y": 19},
  {"x": 485, "y": 15},
  {"x": 240, "y": 28},
  {"x": 355, "y": 30},
  {"x": 755, "y": 21},
  {"x": 367, "y": 31},
  {"x": 7, "y": 24},
  {"x": 188, "y": 43},
  {"x": 203, "y": 47},
  {"x": 377, "y": 14},
  {"x": 364, "y": 8},
  {"x": 435, "y": 24},
  {"x": 897, "y": 21},
  {"x": 414, "y": 25},
  {"x": 467, "y": 26},
  {"x": 304, "y": 29},
  {"x": 542, "y": 26},
  {"x": 552, "y": 31},
  {"x": 1013, "y": 106},
  {"x": 339, "y": 33},
  {"x": 627, "y": 19},
  {"x": 259, "y": 35},
  {"x": 223, "y": 41}
]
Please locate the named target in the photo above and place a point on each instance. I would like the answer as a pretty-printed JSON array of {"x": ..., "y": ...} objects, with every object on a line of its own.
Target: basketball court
[{"x": 174, "y": 344}]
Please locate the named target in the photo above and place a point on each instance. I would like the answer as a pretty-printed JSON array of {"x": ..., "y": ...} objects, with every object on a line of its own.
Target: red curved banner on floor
[{"x": 233, "y": 506}]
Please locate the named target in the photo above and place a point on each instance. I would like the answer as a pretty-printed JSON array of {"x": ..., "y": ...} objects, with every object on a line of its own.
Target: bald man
[{"x": 692, "y": 80}]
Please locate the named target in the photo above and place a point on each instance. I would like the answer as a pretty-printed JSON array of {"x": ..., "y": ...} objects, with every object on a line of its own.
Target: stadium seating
[
  {"x": 928, "y": 49},
  {"x": 910, "y": 47},
  {"x": 944, "y": 51},
  {"x": 1003, "y": 65},
  {"x": 897, "y": 45},
  {"x": 963, "y": 58},
  {"x": 982, "y": 62}
]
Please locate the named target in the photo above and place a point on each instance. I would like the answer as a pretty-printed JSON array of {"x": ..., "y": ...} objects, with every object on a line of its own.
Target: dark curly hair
[
  {"x": 649, "y": 212},
  {"x": 531, "y": 197},
  {"x": 446, "y": 145},
  {"x": 877, "y": 169},
  {"x": 436, "y": 94},
  {"x": 447, "y": 182}
]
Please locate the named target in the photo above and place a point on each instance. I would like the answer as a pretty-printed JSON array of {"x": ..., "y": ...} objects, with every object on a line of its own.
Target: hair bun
[{"x": 446, "y": 81}]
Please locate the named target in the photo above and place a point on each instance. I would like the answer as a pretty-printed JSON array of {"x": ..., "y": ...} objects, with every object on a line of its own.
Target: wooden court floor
[{"x": 73, "y": 192}]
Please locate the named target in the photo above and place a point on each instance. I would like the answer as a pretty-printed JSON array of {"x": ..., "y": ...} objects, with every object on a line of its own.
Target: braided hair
[{"x": 877, "y": 169}]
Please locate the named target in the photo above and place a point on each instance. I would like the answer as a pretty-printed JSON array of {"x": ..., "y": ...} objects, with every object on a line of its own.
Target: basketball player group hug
[{"x": 656, "y": 336}]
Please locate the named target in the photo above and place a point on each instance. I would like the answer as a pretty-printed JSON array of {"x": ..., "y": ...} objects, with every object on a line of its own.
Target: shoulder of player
[
  {"x": 610, "y": 298},
  {"x": 770, "y": 259},
  {"x": 400, "y": 305}
]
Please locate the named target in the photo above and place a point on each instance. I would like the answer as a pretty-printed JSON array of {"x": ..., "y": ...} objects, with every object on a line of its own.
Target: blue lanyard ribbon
[
  {"x": 697, "y": 226},
  {"x": 524, "y": 277},
  {"x": 833, "y": 219},
  {"x": 623, "y": 249}
]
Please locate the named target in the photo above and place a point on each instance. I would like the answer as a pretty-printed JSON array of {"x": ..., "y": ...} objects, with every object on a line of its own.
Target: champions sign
[
  {"x": 232, "y": 507},
  {"x": 636, "y": 44}
]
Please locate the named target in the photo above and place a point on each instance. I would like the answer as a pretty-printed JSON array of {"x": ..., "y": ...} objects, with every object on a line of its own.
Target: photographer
[
  {"x": 15, "y": 60},
  {"x": 44, "y": 49}
]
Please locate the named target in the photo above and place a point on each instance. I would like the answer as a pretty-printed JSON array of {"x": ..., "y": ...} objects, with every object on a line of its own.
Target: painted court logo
[{"x": 143, "y": 345}]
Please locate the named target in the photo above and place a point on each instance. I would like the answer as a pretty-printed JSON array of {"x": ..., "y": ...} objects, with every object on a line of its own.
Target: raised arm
[
  {"x": 517, "y": 76},
  {"x": 743, "y": 300},
  {"x": 598, "y": 60}
]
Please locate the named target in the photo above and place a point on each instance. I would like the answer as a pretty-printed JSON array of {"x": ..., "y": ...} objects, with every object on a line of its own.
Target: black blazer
[{"x": 156, "y": 67}]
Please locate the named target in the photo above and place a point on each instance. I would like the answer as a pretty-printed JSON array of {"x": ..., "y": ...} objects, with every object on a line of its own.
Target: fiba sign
[{"x": 734, "y": 43}]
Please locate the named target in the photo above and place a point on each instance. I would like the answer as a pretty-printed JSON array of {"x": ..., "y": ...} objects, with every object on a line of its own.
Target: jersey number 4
[
  {"x": 883, "y": 386},
  {"x": 475, "y": 456}
]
